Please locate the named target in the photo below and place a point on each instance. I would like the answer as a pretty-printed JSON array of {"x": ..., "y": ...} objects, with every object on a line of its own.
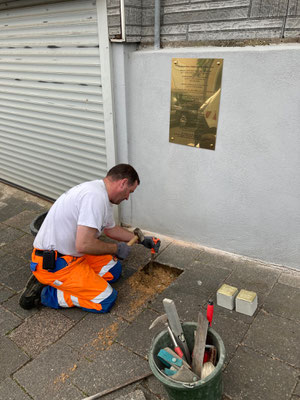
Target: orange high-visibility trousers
[{"x": 78, "y": 281}]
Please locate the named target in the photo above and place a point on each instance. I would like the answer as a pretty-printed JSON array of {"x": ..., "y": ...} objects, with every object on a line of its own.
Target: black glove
[
  {"x": 151, "y": 243},
  {"x": 123, "y": 250}
]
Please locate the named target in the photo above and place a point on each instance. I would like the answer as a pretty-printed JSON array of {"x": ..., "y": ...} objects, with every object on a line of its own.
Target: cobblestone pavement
[{"x": 71, "y": 354}]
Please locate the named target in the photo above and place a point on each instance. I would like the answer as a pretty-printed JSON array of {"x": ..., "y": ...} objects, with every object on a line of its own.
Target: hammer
[{"x": 138, "y": 235}]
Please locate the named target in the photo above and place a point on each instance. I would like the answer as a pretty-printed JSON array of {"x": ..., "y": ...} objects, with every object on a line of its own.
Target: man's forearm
[
  {"x": 98, "y": 247},
  {"x": 119, "y": 233}
]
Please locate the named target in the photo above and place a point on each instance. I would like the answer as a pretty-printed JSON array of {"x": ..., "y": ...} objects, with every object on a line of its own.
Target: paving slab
[
  {"x": 17, "y": 280},
  {"x": 218, "y": 259},
  {"x": 12, "y": 358},
  {"x": 9, "y": 234},
  {"x": 178, "y": 255},
  {"x": 122, "y": 392},
  {"x": 5, "y": 293},
  {"x": 94, "y": 334},
  {"x": 284, "y": 301},
  {"x": 115, "y": 366},
  {"x": 155, "y": 387},
  {"x": 193, "y": 288},
  {"x": 41, "y": 330},
  {"x": 290, "y": 278},
  {"x": 22, "y": 220},
  {"x": 47, "y": 377},
  {"x": 11, "y": 263},
  {"x": 137, "y": 336},
  {"x": 75, "y": 314},
  {"x": 11, "y": 206},
  {"x": 22, "y": 247},
  {"x": 8, "y": 321},
  {"x": 10, "y": 390},
  {"x": 136, "y": 395},
  {"x": 275, "y": 336},
  {"x": 251, "y": 375},
  {"x": 254, "y": 276}
]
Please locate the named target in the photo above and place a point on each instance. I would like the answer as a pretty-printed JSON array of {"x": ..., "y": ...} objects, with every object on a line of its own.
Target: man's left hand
[{"x": 151, "y": 243}]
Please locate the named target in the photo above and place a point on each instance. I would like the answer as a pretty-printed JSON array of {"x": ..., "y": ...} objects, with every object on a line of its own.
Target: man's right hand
[{"x": 123, "y": 250}]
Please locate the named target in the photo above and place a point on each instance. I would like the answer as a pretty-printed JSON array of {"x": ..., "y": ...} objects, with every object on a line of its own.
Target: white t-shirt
[{"x": 86, "y": 204}]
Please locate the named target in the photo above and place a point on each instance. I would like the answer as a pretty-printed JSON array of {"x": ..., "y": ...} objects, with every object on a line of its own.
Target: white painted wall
[{"x": 243, "y": 197}]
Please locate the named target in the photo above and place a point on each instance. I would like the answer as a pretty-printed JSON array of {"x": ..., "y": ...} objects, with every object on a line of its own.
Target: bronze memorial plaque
[{"x": 195, "y": 100}]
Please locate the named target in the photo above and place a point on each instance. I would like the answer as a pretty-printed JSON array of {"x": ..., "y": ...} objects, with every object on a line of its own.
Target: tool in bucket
[
  {"x": 164, "y": 319},
  {"x": 176, "y": 327}
]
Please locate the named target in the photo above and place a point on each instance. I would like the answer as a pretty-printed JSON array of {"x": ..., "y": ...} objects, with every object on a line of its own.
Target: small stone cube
[
  {"x": 226, "y": 296},
  {"x": 246, "y": 302}
]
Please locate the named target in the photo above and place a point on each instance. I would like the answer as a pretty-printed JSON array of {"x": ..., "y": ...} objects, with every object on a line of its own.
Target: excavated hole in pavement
[{"x": 149, "y": 281}]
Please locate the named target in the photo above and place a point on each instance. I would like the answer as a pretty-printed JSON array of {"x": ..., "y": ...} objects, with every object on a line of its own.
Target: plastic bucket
[
  {"x": 210, "y": 388},
  {"x": 37, "y": 222}
]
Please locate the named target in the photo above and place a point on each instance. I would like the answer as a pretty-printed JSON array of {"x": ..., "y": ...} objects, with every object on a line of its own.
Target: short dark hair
[{"x": 124, "y": 171}]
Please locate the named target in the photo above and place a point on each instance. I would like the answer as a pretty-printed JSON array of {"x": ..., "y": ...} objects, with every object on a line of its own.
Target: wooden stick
[
  {"x": 122, "y": 385},
  {"x": 199, "y": 346}
]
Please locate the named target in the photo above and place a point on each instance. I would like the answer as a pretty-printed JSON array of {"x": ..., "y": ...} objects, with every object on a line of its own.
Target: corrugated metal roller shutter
[{"x": 51, "y": 111}]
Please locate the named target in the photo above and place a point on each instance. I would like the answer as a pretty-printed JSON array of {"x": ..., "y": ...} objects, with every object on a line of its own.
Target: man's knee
[
  {"x": 114, "y": 273},
  {"x": 105, "y": 304}
]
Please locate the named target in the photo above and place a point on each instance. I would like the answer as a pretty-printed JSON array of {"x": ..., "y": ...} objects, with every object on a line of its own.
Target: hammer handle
[{"x": 132, "y": 241}]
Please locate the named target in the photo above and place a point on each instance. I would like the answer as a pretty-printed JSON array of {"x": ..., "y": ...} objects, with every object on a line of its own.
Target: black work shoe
[{"x": 31, "y": 295}]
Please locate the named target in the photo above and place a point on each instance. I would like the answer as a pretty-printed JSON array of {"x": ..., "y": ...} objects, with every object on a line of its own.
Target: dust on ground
[{"x": 106, "y": 337}]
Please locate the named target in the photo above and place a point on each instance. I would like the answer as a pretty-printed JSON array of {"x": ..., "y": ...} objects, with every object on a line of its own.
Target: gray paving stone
[
  {"x": 290, "y": 278},
  {"x": 178, "y": 255},
  {"x": 22, "y": 220},
  {"x": 12, "y": 358},
  {"x": 17, "y": 280},
  {"x": 41, "y": 330},
  {"x": 8, "y": 321},
  {"x": 94, "y": 334},
  {"x": 219, "y": 259},
  {"x": 74, "y": 313},
  {"x": 253, "y": 276},
  {"x": 193, "y": 288},
  {"x": 137, "y": 335},
  {"x": 21, "y": 247},
  {"x": 12, "y": 206},
  {"x": 275, "y": 336},
  {"x": 115, "y": 366},
  {"x": 10, "y": 390},
  {"x": 5, "y": 293},
  {"x": 284, "y": 301},
  {"x": 136, "y": 395},
  {"x": 48, "y": 376},
  {"x": 11, "y": 263},
  {"x": 155, "y": 387},
  {"x": 251, "y": 375},
  {"x": 9, "y": 234}
]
